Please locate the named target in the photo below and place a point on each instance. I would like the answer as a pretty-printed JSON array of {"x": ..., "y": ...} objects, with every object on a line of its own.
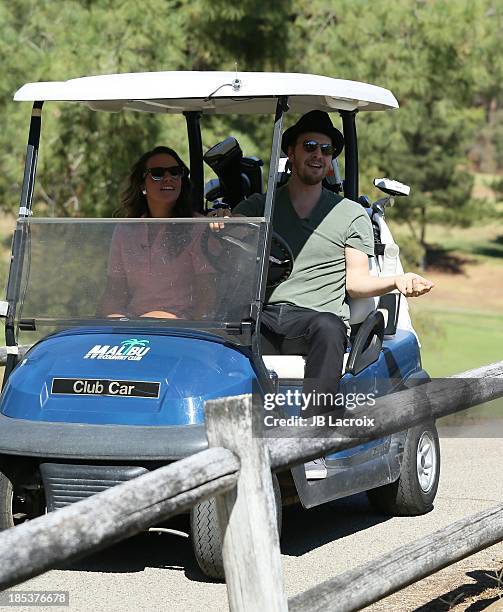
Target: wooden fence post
[{"x": 247, "y": 515}]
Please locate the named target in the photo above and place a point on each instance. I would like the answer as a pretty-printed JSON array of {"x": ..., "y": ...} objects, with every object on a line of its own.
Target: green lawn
[
  {"x": 480, "y": 243},
  {"x": 468, "y": 340}
]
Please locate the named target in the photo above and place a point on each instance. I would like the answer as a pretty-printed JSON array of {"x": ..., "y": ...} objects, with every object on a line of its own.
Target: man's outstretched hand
[
  {"x": 360, "y": 284},
  {"x": 412, "y": 285}
]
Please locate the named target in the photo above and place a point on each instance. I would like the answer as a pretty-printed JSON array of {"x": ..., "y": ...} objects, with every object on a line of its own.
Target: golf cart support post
[
  {"x": 281, "y": 108},
  {"x": 351, "y": 187},
  {"x": 25, "y": 207},
  {"x": 196, "y": 157}
]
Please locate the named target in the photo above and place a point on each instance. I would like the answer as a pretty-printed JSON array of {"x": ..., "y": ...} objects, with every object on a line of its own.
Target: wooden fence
[{"x": 236, "y": 469}]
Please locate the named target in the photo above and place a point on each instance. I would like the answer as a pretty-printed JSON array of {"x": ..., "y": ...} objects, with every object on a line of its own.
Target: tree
[
  {"x": 441, "y": 58},
  {"x": 425, "y": 52},
  {"x": 84, "y": 156}
]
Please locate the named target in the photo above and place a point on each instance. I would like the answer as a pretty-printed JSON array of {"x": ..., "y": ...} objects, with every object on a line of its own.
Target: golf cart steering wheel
[
  {"x": 280, "y": 257},
  {"x": 280, "y": 261}
]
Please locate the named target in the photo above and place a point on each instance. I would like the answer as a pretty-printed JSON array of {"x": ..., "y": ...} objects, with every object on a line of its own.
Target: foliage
[
  {"x": 497, "y": 187},
  {"x": 84, "y": 157},
  {"x": 225, "y": 34},
  {"x": 496, "y": 130},
  {"x": 427, "y": 52},
  {"x": 440, "y": 57}
]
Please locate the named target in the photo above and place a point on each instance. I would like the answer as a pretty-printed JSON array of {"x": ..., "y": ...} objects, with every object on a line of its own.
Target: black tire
[
  {"x": 415, "y": 490},
  {"x": 207, "y": 538},
  {"x": 18, "y": 504}
]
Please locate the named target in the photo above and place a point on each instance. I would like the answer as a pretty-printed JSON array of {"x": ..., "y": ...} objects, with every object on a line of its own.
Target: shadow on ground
[
  {"x": 443, "y": 260},
  {"x": 449, "y": 261},
  {"x": 483, "y": 580},
  {"x": 303, "y": 531},
  {"x": 147, "y": 550},
  {"x": 493, "y": 249}
]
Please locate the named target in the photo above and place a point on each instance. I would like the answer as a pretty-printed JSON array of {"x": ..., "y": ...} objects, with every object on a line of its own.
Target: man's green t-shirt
[{"x": 318, "y": 278}]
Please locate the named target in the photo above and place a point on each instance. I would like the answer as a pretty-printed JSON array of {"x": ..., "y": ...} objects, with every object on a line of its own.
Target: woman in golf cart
[{"x": 154, "y": 268}]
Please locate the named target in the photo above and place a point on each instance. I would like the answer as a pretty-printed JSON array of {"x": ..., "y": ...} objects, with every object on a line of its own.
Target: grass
[
  {"x": 482, "y": 243},
  {"x": 463, "y": 340},
  {"x": 467, "y": 340},
  {"x": 479, "y": 243},
  {"x": 460, "y": 322}
]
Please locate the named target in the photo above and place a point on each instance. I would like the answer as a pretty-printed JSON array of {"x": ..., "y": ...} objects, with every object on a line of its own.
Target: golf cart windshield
[{"x": 81, "y": 271}]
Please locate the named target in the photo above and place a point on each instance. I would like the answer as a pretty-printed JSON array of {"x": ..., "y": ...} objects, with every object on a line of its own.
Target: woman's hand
[{"x": 160, "y": 314}]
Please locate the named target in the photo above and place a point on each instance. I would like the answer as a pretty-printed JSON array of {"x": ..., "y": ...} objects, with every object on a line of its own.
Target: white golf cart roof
[{"x": 211, "y": 92}]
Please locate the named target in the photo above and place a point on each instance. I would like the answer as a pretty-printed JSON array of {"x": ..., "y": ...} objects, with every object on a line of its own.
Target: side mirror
[{"x": 392, "y": 188}]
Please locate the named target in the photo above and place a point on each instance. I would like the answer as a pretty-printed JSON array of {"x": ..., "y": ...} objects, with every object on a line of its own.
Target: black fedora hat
[{"x": 314, "y": 121}]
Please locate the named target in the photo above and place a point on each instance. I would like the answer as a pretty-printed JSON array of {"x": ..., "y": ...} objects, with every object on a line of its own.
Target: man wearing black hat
[{"x": 331, "y": 239}]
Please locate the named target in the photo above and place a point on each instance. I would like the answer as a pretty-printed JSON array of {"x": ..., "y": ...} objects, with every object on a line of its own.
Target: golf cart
[{"x": 100, "y": 400}]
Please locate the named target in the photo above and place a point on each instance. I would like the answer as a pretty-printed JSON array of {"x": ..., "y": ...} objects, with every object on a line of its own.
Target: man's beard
[{"x": 310, "y": 179}]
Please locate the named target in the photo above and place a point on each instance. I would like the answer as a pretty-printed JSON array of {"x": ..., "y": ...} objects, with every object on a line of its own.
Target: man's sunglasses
[
  {"x": 158, "y": 173},
  {"x": 312, "y": 145}
]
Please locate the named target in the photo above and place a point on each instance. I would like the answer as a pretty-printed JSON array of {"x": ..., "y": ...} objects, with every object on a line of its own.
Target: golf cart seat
[
  {"x": 366, "y": 340},
  {"x": 291, "y": 367}
]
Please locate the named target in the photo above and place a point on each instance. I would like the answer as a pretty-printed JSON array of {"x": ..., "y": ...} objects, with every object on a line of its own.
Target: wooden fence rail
[
  {"x": 20, "y": 350},
  {"x": 389, "y": 573},
  {"x": 236, "y": 470},
  {"x": 393, "y": 413},
  {"x": 113, "y": 515}
]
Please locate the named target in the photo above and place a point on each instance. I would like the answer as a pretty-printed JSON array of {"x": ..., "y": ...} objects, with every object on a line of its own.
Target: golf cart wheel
[
  {"x": 207, "y": 538},
  {"x": 18, "y": 505},
  {"x": 413, "y": 493}
]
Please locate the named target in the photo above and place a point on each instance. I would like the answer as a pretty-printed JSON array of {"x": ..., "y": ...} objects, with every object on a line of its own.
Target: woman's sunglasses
[
  {"x": 312, "y": 145},
  {"x": 158, "y": 173}
]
